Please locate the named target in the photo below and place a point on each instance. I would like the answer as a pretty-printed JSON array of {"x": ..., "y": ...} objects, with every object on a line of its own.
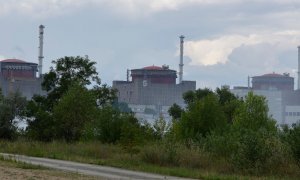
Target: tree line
[{"x": 77, "y": 107}]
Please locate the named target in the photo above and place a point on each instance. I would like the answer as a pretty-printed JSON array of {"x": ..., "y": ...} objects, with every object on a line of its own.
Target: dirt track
[
  {"x": 11, "y": 170},
  {"x": 88, "y": 169}
]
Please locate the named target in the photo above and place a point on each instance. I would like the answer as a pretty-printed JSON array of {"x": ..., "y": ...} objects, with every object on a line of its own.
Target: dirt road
[{"x": 88, "y": 169}]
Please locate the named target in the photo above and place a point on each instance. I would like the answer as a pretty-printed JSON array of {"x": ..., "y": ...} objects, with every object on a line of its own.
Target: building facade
[
  {"x": 152, "y": 87},
  {"x": 18, "y": 75},
  {"x": 283, "y": 101}
]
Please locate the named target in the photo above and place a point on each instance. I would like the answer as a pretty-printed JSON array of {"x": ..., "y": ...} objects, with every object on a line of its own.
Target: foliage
[
  {"x": 260, "y": 152},
  {"x": 257, "y": 137},
  {"x": 253, "y": 115},
  {"x": 40, "y": 123},
  {"x": 64, "y": 112},
  {"x": 131, "y": 134},
  {"x": 228, "y": 101},
  {"x": 161, "y": 127},
  {"x": 11, "y": 108},
  {"x": 202, "y": 117},
  {"x": 193, "y": 96},
  {"x": 148, "y": 134},
  {"x": 104, "y": 95},
  {"x": 76, "y": 108},
  {"x": 175, "y": 111},
  {"x": 66, "y": 71},
  {"x": 292, "y": 137},
  {"x": 109, "y": 124}
]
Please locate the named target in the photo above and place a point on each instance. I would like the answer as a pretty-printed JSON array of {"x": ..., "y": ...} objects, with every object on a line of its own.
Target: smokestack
[
  {"x": 298, "y": 68},
  {"x": 181, "y": 59},
  {"x": 248, "y": 82},
  {"x": 41, "y": 55},
  {"x": 128, "y": 75}
]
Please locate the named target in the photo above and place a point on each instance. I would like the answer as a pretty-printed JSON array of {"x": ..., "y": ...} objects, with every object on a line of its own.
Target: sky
[{"x": 226, "y": 41}]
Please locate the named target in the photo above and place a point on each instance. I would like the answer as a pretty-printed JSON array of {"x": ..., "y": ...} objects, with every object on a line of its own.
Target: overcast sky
[{"x": 226, "y": 40}]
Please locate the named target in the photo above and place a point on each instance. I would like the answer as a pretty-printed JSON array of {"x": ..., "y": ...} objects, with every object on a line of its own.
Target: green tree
[
  {"x": 175, "y": 111},
  {"x": 40, "y": 123},
  {"x": 104, "y": 95},
  {"x": 66, "y": 71},
  {"x": 202, "y": 117},
  {"x": 11, "y": 108},
  {"x": 293, "y": 138},
  {"x": 228, "y": 101},
  {"x": 76, "y": 108},
  {"x": 192, "y": 96},
  {"x": 256, "y": 136},
  {"x": 131, "y": 134},
  {"x": 253, "y": 114}
]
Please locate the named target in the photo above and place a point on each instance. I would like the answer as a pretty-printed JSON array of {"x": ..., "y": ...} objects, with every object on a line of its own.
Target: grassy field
[{"x": 153, "y": 158}]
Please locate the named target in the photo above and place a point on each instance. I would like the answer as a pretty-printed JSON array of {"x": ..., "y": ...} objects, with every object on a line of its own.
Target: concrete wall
[
  {"x": 147, "y": 93},
  {"x": 27, "y": 87}
]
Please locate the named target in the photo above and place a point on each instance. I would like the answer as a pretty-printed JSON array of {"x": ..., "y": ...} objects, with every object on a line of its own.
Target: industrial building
[
  {"x": 153, "y": 85},
  {"x": 20, "y": 76},
  {"x": 273, "y": 81},
  {"x": 283, "y": 101},
  {"x": 154, "y": 89}
]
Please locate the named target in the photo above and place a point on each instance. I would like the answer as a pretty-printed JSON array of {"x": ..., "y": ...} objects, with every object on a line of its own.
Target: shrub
[
  {"x": 293, "y": 138},
  {"x": 165, "y": 153},
  {"x": 259, "y": 152}
]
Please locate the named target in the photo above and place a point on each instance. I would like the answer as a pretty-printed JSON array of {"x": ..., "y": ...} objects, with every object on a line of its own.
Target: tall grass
[{"x": 160, "y": 157}]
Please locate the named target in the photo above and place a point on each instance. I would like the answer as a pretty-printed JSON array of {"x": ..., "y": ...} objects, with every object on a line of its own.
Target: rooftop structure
[
  {"x": 154, "y": 74},
  {"x": 16, "y": 68},
  {"x": 273, "y": 81}
]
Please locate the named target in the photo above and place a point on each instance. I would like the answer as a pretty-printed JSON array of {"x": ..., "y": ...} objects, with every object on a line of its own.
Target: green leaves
[
  {"x": 202, "y": 117},
  {"x": 66, "y": 71},
  {"x": 11, "y": 107},
  {"x": 69, "y": 107},
  {"x": 76, "y": 108},
  {"x": 253, "y": 114}
]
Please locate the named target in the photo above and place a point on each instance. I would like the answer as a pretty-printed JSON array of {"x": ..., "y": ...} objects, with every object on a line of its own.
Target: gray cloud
[{"x": 225, "y": 40}]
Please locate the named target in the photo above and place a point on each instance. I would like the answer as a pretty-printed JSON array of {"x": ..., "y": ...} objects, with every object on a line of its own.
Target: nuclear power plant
[
  {"x": 20, "y": 76},
  {"x": 154, "y": 88},
  {"x": 283, "y": 101}
]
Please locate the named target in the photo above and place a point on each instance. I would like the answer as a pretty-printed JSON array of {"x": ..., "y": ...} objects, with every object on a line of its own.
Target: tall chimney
[
  {"x": 41, "y": 56},
  {"x": 181, "y": 59},
  {"x": 248, "y": 82},
  {"x": 298, "y": 68},
  {"x": 128, "y": 75}
]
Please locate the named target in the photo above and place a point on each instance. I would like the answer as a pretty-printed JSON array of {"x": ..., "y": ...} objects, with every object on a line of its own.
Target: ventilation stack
[
  {"x": 181, "y": 59},
  {"x": 41, "y": 56},
  {"x": 298, "y": 88}
]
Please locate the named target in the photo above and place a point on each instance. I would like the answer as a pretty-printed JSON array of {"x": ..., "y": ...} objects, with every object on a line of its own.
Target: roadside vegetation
[{"x": 217, "y": 135}]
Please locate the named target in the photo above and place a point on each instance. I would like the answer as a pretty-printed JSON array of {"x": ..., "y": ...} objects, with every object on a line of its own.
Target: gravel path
[{"x": 88, "y": 169}]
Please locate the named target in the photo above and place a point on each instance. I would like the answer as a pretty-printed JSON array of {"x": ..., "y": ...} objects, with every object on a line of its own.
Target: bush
[
  {"x": 221, "y": 145},
  {"x": 259, "y": 152},
  {"x": 161, "y": 154},
  {"x": 292, "y": 137}
]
